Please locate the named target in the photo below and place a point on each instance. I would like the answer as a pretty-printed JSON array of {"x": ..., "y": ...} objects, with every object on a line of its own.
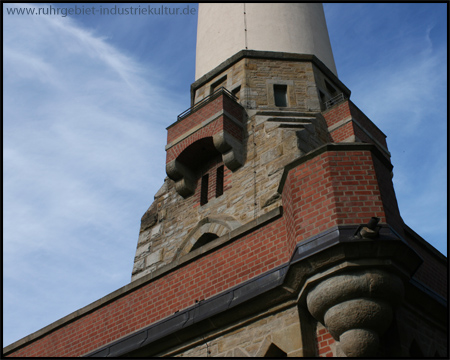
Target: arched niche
[{"x": 214, "y": 227}]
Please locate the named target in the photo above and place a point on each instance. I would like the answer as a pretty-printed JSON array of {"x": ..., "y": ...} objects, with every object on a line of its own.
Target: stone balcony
[{"x": 211, "y": 127}]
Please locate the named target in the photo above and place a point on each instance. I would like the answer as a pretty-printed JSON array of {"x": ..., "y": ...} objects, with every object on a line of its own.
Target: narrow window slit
[
  {"x": 280, "y": 95},
  {"x": 204, "y": 190},
  {"x": 219, "y": 181}
]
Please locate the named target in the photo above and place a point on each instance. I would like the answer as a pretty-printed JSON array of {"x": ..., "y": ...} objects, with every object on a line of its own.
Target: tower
[
  {"x": 274, "y": 165},
  {"x": 276, "y": 231}
]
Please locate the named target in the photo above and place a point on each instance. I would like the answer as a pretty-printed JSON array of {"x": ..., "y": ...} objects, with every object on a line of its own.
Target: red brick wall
[
  {"x": 233, "y": 129},
  {"x": 346, "y": 110},
  {"x": 207, "y": 131},
  {"x": 288, "y": 212},
  {"x": 222, "y": 102},
  {"x": 337, "y": 113},
  {"x": 331, "y": 189},
  {"x": 356, "y": 189},
  {"x": 368, "y": 125},
  {"x": 388, "y": 197},
  {"x": 233, "y": 108},
  {"x": 342, "y": 133},
  {"x": 241, "y": 260},
  {"x": 324, "y": 340},
  {"x": 181, "y": 127}
]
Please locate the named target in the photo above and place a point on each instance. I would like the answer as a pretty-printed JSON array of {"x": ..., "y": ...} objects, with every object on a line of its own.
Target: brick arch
[
  {"x": 198, "y": 154},
  {"x": 217, "y": 226},
  {"x": 184, "y": 174},
  {"x": 208, "y": 131},
  {"x": 212, "y": 121}
]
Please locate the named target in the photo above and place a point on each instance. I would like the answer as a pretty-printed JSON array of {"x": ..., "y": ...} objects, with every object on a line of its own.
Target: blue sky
[{"x": 86, "y": 102}]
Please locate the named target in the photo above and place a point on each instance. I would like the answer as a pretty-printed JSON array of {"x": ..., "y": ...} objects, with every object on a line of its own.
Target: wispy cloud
[
  {"x": 83, "y": 123},
  {"x": 404, "y": 90},
  {"x": 397, "y": 72}
]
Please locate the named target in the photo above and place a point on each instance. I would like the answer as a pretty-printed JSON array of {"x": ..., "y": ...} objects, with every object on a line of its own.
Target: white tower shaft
[{"x": 226, "y": 28}]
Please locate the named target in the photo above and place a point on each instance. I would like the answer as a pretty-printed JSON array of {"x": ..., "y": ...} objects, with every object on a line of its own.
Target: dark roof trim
[
  {"x": 242, "y": 293},
  {"x": 428, "y": 247},
  {"x": 195, "y": 313},
  {"x": 335, "y": 235}
]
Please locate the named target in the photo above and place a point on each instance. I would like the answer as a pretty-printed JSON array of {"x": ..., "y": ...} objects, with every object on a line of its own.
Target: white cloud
[
  {"x": 402, "y": 95},
  {"x": 82, "y": 124}
]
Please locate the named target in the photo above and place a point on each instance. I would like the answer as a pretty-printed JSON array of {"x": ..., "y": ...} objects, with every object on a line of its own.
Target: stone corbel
[
  {"x": 184, "y": 178},
  {"x": 356, "y": 307},
  {"x": 230, "y": 148}
]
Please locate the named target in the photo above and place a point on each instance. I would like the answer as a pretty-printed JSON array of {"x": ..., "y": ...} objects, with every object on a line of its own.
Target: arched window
[{"x": 203, "y": 240}]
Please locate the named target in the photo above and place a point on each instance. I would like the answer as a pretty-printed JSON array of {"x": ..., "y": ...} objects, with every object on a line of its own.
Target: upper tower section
[
  {"x": 225, "y": 29},
  {"x": 266, "y": 96}
]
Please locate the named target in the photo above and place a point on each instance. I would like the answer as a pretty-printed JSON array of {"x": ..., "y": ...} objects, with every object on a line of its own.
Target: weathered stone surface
[
  {"x": 142, "y": 250},
  {"x": 139, "y": 266},
  {"x": 156, "y": 231},
  {"x": 253, "y": 166},
  {"x": 356, "y": 308},
  {"x": 271, "y": 154},
  {"x": 153, "y": 258},
  {"x": 272, "y": 199},
  {"x": 345, "y": 287},
  {"x": 360, "y": 313},
  {"x": 360, "y": 343},
  {"x": 254, "y": 338},
  {"x": 149, "y": 219}
]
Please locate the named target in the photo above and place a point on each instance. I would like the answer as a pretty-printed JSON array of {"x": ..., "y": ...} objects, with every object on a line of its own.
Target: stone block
[
  {"x": 163, "y": 189},
  {"x": 142, "y": 250},
  {"x": 144, "y": 236},
  {"x": 288, "y": 338},
  {"x": 156, "y": 231},
  {"x": 139, "y": 266},
  {"x": 271, "y": 154},
  {"x": 153, "y": 258}
]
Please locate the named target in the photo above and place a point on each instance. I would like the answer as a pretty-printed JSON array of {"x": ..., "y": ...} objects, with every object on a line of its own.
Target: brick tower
[
  {"x": 277, "y": 231},
  {"x": 273, "y": 166}
]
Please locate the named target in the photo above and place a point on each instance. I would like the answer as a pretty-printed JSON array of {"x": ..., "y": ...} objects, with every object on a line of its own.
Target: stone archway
[{"x": 217, "y": 226}]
